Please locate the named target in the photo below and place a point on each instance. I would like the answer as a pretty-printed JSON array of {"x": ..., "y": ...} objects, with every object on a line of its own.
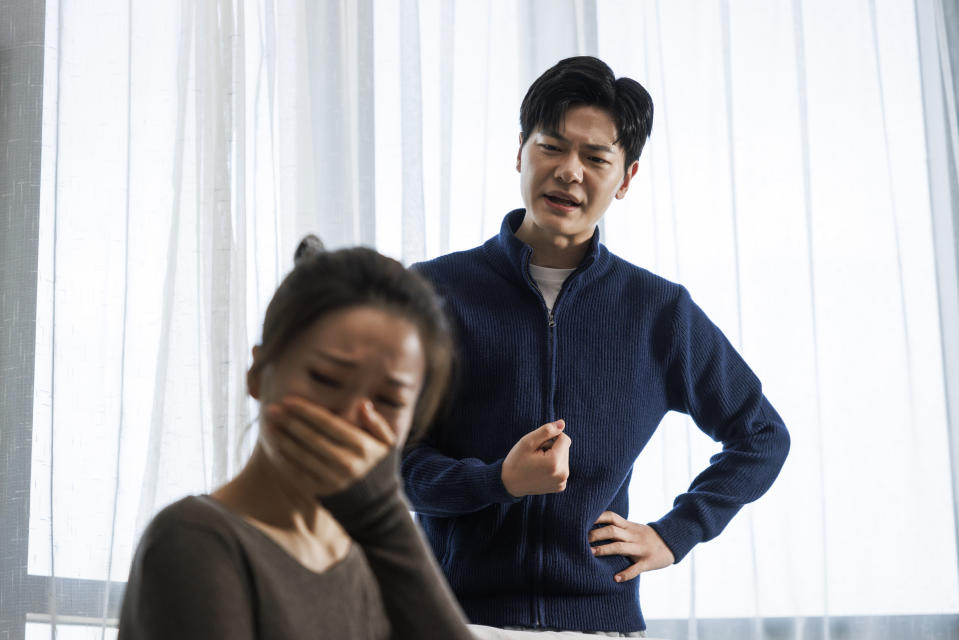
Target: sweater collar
[{"x": 518, "y": 251}]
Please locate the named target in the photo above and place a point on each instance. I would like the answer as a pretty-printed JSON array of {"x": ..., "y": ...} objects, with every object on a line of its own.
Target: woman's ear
[{"x": 253, "y": 375}]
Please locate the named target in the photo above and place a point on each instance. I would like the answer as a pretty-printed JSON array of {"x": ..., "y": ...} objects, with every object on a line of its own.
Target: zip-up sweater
[{"x": 621, "y": 348}]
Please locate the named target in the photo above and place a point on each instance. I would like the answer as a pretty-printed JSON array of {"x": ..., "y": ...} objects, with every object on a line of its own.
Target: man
[{"x": 553, "y": 330}]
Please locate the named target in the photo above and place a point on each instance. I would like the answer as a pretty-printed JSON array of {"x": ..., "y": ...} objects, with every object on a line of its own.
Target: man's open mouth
[{"x": 561, "y": 201}]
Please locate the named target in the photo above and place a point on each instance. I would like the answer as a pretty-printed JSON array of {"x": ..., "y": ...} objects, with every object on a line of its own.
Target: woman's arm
[
  {"x": 353, "y": 471},
  {"x": 418, "y": 601}
]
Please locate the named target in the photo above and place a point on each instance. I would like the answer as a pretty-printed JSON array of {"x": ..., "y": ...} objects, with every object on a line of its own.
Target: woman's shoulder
[
  {"x": 200, "y": 510},
  {"x": 193, "y": 520}
]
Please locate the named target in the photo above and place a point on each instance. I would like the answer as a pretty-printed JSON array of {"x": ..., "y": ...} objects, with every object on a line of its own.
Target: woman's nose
[{"x": 349, "y": 408}]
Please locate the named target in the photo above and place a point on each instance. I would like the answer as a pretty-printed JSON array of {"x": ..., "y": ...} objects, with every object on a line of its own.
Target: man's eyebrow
[
  {"x": 600, "y": 147},
  {"x": 343, "y": 362},
  {"x": 592, "y": 147},
  {"x": 552, "y": 133}
]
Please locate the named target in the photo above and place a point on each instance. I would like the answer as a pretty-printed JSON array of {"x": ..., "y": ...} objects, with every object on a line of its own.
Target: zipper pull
[{"x": 552, "y": 323}]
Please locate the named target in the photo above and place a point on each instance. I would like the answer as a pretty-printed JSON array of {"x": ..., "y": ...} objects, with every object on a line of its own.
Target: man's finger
[
  {"x": 630, "y": 572},
  {"x": 546, "y": 446},
  {"x": 606, "y": 533},
  {"x": 615, "y": 549},
  {"x": 611, "y": 517},
  {"x": 562, "y": 444},
  {"x": 548, "y": 431}
]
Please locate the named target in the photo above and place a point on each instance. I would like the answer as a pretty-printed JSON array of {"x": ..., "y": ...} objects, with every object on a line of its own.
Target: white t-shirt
[{"x": 549, "y": 281}]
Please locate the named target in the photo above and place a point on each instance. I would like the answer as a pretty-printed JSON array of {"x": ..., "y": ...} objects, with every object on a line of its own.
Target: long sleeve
[
  {"x": 438, "y": 485},
  {"x": 418, "y": 602},
  {"x": 187, "y": 583},
  {"x": 710, "y": 381}
]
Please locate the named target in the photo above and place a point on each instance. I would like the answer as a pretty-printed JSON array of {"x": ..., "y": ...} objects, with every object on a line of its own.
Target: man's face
[{"x": 569, "y": 177}]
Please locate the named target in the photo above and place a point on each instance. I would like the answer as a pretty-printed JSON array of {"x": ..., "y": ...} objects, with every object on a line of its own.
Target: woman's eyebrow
[
  {"x": 397, "y": 382},
  {"x": 352, "y": 364},
  {"x": 343, "y": 362}
]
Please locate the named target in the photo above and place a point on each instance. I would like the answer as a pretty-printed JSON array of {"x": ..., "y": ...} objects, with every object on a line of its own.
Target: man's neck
[{"x": 553, "y": 251}]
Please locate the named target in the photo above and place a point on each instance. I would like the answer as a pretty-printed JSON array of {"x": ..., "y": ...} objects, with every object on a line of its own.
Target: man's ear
[
  {"x": 519, "y": 154},
  {"x": 253, "y": 375},
  {"x": 621, "y": 192}
]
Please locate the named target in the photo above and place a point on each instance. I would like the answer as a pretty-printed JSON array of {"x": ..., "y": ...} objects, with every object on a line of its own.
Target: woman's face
[{"x": 348, "y": 357}]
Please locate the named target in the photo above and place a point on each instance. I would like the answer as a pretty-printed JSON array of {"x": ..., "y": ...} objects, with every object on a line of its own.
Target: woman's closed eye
[
  {"x": 325, "y": 380},
  {"x": 392, "y": 403}
]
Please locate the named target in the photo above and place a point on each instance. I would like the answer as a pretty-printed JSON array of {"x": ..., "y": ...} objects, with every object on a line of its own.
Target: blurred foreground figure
[{"x": 313, "y": 539}]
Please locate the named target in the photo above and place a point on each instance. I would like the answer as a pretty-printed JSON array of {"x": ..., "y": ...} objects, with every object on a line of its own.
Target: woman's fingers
[
  {"x": 308, "y": 446},
  {"x": 376, "y": 425},
  {"x": 321, "y": 420},
  {"x": 331, "y": 452}
]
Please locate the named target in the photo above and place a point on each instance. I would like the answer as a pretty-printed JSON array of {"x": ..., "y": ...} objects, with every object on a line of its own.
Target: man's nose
[{"x": 570, "y": 169}]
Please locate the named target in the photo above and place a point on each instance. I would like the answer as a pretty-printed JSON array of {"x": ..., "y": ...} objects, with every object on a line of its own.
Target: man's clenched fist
[{"x": 539, "y": 462}]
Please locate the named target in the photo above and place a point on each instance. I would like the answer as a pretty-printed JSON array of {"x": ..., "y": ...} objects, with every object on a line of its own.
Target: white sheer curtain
[{"x": 788, "y": 183}]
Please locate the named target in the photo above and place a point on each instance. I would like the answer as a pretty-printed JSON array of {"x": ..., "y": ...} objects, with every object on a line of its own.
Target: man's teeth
[{"x": 562, "y": 201}]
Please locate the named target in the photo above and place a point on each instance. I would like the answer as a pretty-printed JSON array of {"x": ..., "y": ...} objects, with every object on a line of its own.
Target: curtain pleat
[
  {"x": 411, "y": 96},
  {"x": 799, "y": 40},
  {"x": 937, "y": 26}
]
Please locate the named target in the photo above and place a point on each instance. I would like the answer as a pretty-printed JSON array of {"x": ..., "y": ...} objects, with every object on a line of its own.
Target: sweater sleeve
[
  {"x": 186, "y": 582},
  {"x": 438, "y": 485},
  {"x": 418, "y": 601},
  {"x": 443, "y": 486},
  {"x": 710, "y": 381}
]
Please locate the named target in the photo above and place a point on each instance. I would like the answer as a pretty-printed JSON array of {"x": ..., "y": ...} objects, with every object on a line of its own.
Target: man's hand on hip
[
  {"x": 638, "y": 542},
  {"x": 539, "y": 462}
]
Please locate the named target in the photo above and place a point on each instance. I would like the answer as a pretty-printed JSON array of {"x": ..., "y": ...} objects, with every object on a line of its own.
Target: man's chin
[{"x": 562, "y": 224}]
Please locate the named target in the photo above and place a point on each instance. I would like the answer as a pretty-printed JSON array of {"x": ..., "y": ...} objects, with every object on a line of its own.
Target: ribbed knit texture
[{"x": 626, "y": 347}]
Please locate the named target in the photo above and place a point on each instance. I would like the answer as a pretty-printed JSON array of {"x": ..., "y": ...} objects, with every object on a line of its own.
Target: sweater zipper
[{"x": 540, "y": 501}]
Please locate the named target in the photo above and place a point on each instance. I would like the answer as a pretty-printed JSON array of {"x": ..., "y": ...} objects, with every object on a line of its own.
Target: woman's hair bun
[{"x": 309, "y": 247}]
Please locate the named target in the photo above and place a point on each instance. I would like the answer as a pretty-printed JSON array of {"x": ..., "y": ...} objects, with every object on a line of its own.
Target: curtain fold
[
  {"x": 938, "y": 35},
  {"x": 801, "y": 181}
]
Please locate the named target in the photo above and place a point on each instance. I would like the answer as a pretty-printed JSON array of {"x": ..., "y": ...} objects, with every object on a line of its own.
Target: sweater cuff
[
  {"x": 491, "y": 482},
  {"x": 362, "y": 503},
  {"x": 679, "y": 533}
]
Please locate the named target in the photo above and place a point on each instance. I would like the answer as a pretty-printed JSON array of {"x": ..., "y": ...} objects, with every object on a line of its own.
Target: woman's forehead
[{"x": 367, "y": 337}]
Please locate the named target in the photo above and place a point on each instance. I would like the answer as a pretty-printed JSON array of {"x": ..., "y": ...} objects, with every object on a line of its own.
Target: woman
[{"x": 355, "y": 357}]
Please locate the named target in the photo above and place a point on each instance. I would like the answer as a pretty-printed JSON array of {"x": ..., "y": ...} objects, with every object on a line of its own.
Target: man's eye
[
  {"x": 599, "y": 160},
  {"x": 548, "y": 147},
  {"x": 322, "y": 379}
]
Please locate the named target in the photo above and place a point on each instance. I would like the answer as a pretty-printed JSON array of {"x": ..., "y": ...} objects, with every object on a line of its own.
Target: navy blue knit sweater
[{"x": 622, "y": 348}]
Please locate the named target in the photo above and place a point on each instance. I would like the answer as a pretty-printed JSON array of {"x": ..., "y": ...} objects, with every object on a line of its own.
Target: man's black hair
[{"x": 588, "y": 81}]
